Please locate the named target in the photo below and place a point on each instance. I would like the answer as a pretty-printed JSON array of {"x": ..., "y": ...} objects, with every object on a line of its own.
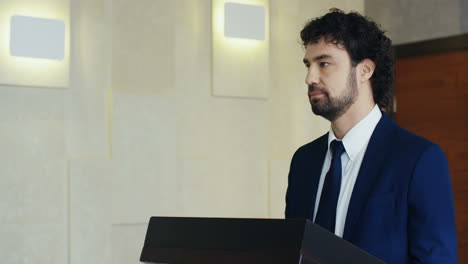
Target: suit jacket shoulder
[
  {"x": 312, "y": 148},
  {"x": 409, "y": 142}
]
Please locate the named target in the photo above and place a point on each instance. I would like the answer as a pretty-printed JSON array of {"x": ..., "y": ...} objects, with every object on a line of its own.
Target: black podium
[{"x": 178, "y": 240}]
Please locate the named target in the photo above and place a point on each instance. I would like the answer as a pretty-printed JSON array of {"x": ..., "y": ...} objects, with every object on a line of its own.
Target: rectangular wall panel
[
  {"x": 240, "y": 66},
  {"x": 143, "y": 43}
]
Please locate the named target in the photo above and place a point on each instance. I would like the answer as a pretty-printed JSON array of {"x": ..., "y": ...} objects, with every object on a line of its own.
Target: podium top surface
[{"x": 241, "y": 240}]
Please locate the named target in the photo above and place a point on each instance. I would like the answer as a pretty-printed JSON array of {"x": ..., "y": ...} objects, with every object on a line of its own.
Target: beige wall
[{"x": 138, "y": 133}]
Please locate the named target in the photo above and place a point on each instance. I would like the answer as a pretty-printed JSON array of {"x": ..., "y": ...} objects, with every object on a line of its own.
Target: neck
[{"x": 357, "y": 112}]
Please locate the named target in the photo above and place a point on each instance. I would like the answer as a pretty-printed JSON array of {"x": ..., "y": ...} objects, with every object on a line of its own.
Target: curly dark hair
[{"x": 362, "y": 39}]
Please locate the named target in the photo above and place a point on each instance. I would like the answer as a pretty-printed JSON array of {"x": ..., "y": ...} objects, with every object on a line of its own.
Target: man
[{"x": 368, "y": 180}]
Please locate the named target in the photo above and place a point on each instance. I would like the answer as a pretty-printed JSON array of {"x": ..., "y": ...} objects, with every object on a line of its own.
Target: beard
[{"x": 331, "y": 108}]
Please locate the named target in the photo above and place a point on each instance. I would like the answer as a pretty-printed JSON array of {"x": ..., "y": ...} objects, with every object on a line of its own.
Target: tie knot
[{"x": 337, "y": 148}]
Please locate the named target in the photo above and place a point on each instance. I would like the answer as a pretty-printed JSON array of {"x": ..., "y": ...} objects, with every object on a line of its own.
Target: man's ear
[{"x": 366, "y": 69}]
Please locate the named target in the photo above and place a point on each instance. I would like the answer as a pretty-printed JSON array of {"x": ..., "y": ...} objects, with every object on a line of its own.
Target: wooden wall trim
[{"x": 432, "y": 46}]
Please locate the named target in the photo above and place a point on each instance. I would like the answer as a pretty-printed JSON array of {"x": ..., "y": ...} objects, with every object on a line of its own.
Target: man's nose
[{"x": 312, "y": 77}]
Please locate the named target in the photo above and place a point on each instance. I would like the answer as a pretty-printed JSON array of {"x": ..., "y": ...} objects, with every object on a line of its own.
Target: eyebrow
[{"x": 317, "y": 58}]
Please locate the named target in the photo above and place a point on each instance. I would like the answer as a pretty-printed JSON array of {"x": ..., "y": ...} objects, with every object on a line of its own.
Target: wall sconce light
[
  {"x": 37, "y": 37},
  {"x": 35, "y": 43},
  {"x": 244, "y": 21}
]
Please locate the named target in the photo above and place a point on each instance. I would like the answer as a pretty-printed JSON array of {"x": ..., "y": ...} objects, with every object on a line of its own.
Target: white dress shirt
[{"x": 355, "y": 143}]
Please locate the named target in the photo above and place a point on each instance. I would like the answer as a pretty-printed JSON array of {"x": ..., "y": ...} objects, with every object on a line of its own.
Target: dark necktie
[{"x": 326, "y": 213}]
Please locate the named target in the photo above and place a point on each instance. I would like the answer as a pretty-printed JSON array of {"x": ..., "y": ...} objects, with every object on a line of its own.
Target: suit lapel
[{"x": 373, "y": 161}]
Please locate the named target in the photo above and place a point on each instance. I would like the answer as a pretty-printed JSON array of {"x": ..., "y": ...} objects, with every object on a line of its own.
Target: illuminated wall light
[
  {"x": 35, "y": 43},
  {"x": 244, "y": 21},
  {"x": 37, "y": 37}
]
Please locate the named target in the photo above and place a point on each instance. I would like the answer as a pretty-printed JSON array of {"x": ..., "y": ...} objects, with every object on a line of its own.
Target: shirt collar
[{"x": 358, "y": 137}]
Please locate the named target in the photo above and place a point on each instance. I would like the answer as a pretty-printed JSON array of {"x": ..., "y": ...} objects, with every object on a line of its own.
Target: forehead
[{"x": 314, "y": 50}]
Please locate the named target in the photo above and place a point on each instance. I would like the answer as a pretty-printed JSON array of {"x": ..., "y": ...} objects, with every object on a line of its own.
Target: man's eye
[{"x": 324, "y": 64}]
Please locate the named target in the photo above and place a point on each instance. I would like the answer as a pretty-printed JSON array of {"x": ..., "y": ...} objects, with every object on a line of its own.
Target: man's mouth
[{"x": 315, "y": 94}]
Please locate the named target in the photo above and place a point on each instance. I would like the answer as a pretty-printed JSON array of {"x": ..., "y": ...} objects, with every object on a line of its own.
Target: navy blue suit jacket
[{"x": 401, "y": 209}]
